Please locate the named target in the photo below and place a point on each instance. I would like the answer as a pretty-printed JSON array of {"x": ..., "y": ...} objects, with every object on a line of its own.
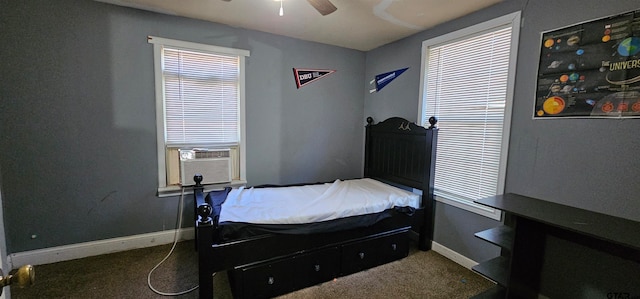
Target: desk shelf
[
  {"x": 496, "y": 269},
  {"x": 501, "y": 236}
]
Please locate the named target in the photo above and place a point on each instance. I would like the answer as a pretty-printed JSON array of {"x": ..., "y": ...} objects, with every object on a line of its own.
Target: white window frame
[
  {"x": 158, "y": 44},
  {"x": 512, "y": 20}
]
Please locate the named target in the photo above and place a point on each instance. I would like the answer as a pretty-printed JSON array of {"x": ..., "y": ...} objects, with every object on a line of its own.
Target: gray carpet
[{"x": 124, "y": 275}]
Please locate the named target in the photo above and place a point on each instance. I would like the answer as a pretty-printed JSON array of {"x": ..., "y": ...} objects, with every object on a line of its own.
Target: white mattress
[{"x": 313, "y": 203}]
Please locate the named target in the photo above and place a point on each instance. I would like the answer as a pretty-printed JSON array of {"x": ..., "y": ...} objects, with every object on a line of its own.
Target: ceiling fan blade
[{"x": 324, "y": 7}]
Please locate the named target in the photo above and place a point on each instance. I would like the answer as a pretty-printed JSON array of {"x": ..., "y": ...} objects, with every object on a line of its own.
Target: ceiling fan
[{"x": 324, "y": 7}]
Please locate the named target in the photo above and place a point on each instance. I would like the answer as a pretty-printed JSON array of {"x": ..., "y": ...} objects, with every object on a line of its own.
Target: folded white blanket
[{"x": 313, "y": 203}]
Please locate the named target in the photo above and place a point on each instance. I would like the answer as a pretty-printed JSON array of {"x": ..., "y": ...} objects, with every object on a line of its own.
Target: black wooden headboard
[{"x": 400, "y": 151}]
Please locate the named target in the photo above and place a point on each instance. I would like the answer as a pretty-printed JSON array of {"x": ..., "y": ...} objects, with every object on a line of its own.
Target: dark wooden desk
[{"x": 530, "y": 229}]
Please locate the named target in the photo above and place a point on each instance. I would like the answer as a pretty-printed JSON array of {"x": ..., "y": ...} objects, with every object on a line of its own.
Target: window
[
  {"x": 199, "y": 103},
  {"x": 468, "y": 85}
]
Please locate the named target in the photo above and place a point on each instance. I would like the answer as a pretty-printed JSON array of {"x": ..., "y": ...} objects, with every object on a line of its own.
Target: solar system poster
[{"x": 591, "y": 70}]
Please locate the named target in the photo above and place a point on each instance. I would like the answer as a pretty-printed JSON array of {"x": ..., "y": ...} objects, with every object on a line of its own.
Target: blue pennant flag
[{"x": 382, "y": 80}]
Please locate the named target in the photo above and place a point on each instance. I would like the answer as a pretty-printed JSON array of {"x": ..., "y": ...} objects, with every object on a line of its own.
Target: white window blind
[
  {"x": 201, "y": 97},
  {"x": 467, "y": 88}
]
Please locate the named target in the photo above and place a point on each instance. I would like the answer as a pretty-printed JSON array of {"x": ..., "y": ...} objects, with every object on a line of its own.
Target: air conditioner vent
[{"x": 211, "y": 154}]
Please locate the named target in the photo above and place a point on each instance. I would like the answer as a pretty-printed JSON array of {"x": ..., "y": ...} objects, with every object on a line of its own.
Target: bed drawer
[
  {"x": 264, "y": 280},
  {"x": 317, "y": 267},
  {"x": 369, "y": 253}
]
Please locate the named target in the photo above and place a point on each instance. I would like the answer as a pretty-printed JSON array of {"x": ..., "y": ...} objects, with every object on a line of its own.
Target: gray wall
[
  {"x": 586, "y": 163},
  {"x": 77, "y": 111}
]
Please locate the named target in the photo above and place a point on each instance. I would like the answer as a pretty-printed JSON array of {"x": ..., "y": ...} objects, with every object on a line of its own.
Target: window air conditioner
[{"x": 214, "y": 166}]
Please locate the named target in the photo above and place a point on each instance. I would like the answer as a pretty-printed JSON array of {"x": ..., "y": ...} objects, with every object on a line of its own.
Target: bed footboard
[{"x": 204, "y": 240}]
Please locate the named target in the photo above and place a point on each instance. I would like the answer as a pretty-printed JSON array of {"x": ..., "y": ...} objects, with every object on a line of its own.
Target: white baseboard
[
  {"x": 446, "y": 252},
  {"x": 80, "y": 250},
  {"x": 452, "y": 255}
]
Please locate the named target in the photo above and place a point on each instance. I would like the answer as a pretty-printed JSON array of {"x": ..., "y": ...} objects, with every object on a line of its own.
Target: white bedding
[{"x": 313, "y": 203}]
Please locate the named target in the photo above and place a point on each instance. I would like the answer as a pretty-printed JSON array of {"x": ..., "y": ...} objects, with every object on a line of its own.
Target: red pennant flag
[{"x": 306, "y": 76}]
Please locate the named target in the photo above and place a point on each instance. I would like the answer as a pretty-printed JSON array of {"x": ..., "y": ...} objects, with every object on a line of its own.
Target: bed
[{"x": 266, "y": 253}]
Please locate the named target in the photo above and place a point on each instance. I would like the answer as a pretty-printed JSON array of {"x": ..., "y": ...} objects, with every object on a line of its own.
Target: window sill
[
  {"x": 494, "y": 214},
  {"x": 176, "y": 190}
]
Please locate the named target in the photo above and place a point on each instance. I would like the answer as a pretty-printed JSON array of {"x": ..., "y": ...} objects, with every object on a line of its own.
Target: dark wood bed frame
[{"x": 397, "y": 152}]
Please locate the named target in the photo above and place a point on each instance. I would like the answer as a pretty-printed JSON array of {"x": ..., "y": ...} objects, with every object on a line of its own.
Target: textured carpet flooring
[{"x": 124, "y": 275}]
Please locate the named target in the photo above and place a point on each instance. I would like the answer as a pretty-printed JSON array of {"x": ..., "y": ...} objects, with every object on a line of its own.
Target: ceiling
[{"x": 356, "y": 24}]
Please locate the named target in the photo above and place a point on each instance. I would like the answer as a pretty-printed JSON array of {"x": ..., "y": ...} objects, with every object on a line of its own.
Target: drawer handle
[
  {"x": 270, "y": 280},
  {"x": 394, "y": 247},
  {"x": 317, "y": 268},
  {"x": 361, "y": 255}
]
